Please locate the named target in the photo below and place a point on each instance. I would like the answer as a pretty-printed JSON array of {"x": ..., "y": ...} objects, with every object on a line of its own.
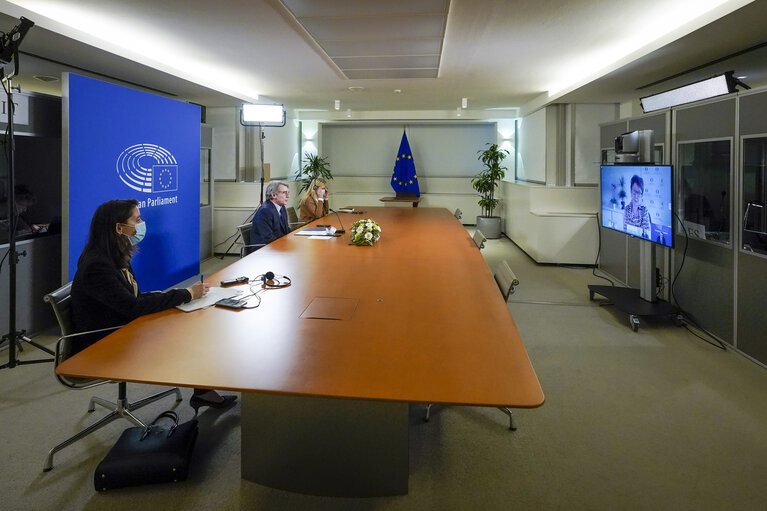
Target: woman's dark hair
[
  {"x": 638, "y": 181},
  {"x": 103, "y": 239}
]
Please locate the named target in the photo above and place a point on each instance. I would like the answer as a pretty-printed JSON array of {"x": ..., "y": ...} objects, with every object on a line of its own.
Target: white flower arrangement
[{"x": 365, "y": 232}]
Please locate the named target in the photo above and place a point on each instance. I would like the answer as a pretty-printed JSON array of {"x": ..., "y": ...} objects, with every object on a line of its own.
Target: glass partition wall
[
  {"x": 754, "y": 225},
  {"x": 705, "y": 170}
]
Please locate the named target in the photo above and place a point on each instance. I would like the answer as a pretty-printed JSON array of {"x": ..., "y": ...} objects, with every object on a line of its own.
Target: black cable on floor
[{"x": 599, "y": 251}]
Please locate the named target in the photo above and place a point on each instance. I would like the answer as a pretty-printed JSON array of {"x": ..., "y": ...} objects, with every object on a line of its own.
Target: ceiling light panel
[
  {"x": 376, "y": 39},
  {"x": 385, "y": 47},
  {"x": 382, "y": 74},
  {"x": 387, "y": 62}
]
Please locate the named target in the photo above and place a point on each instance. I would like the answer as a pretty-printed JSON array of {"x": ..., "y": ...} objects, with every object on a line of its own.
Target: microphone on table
[{"x": 341, "y": 230}]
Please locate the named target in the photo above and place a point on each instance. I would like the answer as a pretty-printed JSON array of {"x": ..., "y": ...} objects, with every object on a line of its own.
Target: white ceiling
[{"x": 499, "y": 54}]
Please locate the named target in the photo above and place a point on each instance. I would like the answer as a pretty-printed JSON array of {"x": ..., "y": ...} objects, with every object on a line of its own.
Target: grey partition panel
[
  {"x": 705, "y": 287},
  {"x": 752, "y": 269},
  {"x": 632, "y": 256},
  {"x": 657, "y": 123},
  {"x": 752, "y": 320},
  {"x": 206, "y": 232},
  {"x": 752, "y": 114},
  {"x": 612, "y": 258},
  {"x": 608, "y": 132},
  {"x": 713, "y": 120},
  {"x": 37, "y": 273}
]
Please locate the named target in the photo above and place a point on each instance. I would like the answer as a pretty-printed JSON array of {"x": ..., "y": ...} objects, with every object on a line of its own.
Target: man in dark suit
[{"x": 271, "y": 219}]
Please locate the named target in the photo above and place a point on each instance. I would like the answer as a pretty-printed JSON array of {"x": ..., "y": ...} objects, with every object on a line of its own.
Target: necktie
[{"x": 284, "y": 219}]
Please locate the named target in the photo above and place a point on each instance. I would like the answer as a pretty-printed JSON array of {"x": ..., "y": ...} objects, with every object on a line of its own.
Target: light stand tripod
[
  {"x": 9, "y": 51},
  {"x": 261, "y": 137}
]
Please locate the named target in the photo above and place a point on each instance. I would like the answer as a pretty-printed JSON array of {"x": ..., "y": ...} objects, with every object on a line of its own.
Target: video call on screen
[{"x": 637, "y": 200}]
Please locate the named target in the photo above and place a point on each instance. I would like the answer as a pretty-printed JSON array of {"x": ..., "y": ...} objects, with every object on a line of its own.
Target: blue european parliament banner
[
  {"x": 404, "y": 177},
  {"x": 128, "y": 144}
]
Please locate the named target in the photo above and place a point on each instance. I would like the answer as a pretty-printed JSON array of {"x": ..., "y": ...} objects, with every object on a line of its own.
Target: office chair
[
  {"x": 61, "y": 303},
  {"x": 505, "y": 279},
  {"x": 247, "y": 247},
  {"x": 479, "y": 239},
  {"x": 293, "y": 221},
  {"x": 458, "y": 213}
]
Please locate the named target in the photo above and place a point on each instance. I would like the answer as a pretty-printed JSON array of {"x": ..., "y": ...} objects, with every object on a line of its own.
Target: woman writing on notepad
[
  {"x": 314, "y": 203},
  {"x": 105, "y": 292}
]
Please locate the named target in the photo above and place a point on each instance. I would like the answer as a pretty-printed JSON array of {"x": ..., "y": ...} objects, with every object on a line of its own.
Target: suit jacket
[
  {"x": 268, "y": 224},
  {"x": 103, "y": 297},
  {"x": 312, "y": 209}
]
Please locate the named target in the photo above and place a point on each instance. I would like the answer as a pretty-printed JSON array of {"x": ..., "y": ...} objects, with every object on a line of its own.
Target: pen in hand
[{"x": 198, "y": 290}]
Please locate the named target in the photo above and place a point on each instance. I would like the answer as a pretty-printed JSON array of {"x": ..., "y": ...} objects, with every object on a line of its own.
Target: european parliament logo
[{"x": 148, "y": 168}]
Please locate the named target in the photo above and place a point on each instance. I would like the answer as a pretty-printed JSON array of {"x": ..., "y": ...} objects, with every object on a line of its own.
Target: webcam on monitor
[{"x": 634, "y": 147}]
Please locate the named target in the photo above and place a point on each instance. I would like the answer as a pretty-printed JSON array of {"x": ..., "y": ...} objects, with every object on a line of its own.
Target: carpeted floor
[{"x": 655, "y": 419}]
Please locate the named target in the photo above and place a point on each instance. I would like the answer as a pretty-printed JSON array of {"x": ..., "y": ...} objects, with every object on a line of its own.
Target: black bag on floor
[{"x": 148, "y": 455}]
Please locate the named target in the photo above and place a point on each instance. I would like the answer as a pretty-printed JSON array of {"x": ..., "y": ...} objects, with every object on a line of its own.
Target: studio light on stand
[
  {"x": 9, "y": 52},
  {"x": 709, "y": 88},
  {"x": 263, "y": 116}
]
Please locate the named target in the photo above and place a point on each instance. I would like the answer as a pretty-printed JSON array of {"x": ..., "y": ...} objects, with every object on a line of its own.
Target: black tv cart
[{"x": 627, "y": 299}]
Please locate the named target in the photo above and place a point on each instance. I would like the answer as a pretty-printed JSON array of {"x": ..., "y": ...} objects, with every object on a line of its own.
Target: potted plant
[
  {"x": 315, "y": 166},
  {"x": 485, "y": 183}
]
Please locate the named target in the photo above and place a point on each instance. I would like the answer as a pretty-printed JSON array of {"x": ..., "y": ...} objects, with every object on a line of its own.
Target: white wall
[
  {"x": 224, "y": 154},
  {"x": 281, "y": 149},
  {"x": 439, "y": 150},
  {"x": 553, "y": 224},
  {"x": 586, "y": 140},
  {"x": 531, "y": 156}
]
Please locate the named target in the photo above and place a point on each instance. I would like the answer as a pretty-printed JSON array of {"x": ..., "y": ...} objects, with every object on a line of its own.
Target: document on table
[
  {"x": 316, "y": 231},
  {"x": 213, "y": 295}
]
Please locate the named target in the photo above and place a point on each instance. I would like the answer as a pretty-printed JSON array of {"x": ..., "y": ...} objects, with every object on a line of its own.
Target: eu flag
[
  {"x": 164, "y": 178},
  {"x": 404, "y": 178}
]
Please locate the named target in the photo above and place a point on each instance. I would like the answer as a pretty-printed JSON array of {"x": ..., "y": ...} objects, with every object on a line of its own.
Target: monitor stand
[{"x": 637, "y": 302}]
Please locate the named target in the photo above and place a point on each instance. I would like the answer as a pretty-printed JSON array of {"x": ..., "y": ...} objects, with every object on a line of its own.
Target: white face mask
[{"x": 136, "y": 238}]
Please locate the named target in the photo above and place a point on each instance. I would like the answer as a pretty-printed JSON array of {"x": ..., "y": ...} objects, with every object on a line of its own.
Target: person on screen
[
  {"x": 636, "y": 218},
  {"x": 105, "y": 292},
  {"x": 271, "y": 219},
  {"x": 314, "y": 203}
]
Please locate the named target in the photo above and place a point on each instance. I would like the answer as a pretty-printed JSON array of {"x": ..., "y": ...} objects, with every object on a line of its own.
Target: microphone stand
[
  {"x": 341, "y": 230},
  {"x": 9, "y": 50}
]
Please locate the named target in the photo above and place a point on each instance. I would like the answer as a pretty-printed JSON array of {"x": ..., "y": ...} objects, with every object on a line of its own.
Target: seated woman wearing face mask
[
  {"x": 105, "y": 292},
  {"x": 314, "y": 203}
]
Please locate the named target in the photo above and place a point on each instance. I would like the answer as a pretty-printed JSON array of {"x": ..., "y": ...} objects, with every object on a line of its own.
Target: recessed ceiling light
[
  {"x": 46, "y": 78},
  {"x": 355, "y": 88}
]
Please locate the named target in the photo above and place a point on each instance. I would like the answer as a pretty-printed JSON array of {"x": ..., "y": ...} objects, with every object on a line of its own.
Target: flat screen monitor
[{"x": 637, "y": 200}]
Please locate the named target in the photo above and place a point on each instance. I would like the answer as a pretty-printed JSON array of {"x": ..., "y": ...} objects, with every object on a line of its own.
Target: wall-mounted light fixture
[
  {"x": 262, "y": 115},
  {"x": 464, "y": 102},
  {"x": 338, "y": 104},
  {"x": 717, "y": 86},
  {"x": 349, "y": 113}
]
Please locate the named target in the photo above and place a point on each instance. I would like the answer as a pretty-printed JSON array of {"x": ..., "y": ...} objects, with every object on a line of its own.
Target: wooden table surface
[{"x": 430, "y": 324}]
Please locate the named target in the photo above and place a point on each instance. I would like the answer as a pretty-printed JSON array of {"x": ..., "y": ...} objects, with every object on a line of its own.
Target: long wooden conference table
[{"x": 329, "y": 365}]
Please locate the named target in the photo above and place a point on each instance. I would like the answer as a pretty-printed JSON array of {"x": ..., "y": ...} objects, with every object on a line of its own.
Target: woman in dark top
[{"x": 105, "y": 292}]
